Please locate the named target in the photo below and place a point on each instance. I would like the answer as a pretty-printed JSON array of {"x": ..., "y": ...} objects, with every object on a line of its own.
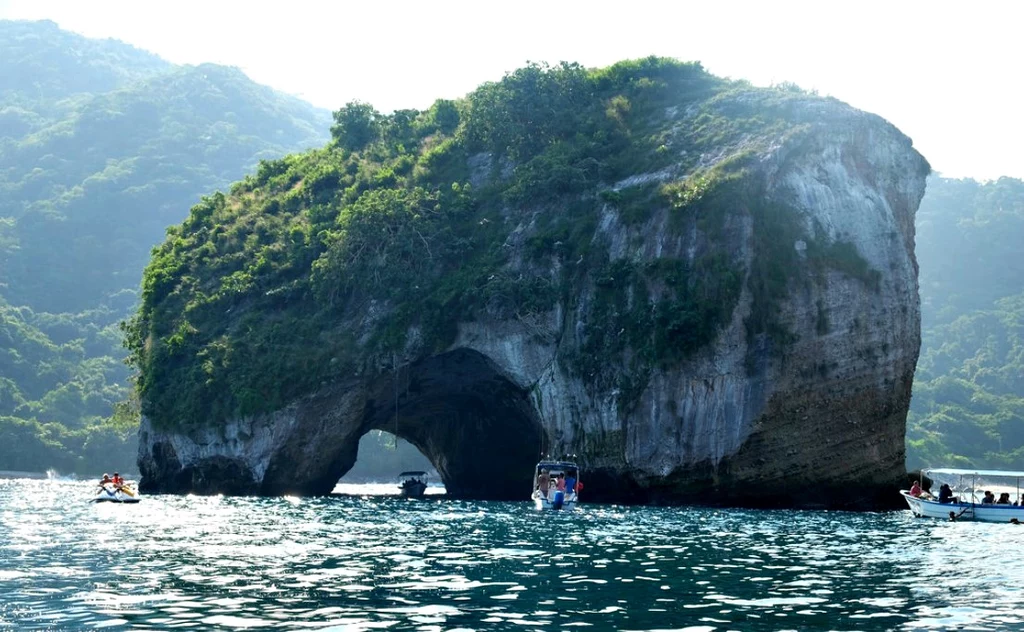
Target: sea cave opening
[
  {"x": 382, "y": 458},
  {"x": 477, "y": 429}
]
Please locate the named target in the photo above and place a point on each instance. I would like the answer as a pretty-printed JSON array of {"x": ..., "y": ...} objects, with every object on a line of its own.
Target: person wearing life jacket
[{"x": 117, "y": 481}]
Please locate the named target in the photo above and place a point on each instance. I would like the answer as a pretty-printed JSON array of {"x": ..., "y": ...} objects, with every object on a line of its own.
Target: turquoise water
[{"x": 365, "y": 563}]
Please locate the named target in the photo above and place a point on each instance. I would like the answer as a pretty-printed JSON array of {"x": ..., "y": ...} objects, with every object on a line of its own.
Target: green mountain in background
[
  {"x": 44, "y": 68},
  {"x": 968, "y": 402},
  {"x": 102, "y": 146}
]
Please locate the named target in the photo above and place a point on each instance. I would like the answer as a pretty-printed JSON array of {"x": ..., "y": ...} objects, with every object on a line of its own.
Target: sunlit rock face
[{"x": 807, "y": 412}]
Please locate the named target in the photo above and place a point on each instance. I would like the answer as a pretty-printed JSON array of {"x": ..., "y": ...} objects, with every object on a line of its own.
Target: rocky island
[{"x": 706, "y": 291}]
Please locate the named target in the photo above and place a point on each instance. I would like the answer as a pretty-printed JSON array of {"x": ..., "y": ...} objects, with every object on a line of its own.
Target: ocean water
[{"x": 364, "y": 562}]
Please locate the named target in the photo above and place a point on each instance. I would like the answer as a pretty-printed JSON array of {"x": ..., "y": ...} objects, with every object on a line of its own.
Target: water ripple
[{"x": 366, "y": 562}]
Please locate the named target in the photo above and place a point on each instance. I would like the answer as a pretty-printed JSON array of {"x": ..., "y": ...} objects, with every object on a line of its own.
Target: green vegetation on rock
[{"x": 332, "y": 262}]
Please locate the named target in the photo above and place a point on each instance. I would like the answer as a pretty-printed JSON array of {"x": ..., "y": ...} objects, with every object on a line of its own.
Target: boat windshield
[{"x": 554, "y": 468}]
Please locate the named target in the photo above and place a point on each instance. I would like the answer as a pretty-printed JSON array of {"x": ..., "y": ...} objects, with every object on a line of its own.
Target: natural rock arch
[
  {"x": 738, "y": 327},
  {"x": 476, "y": 426}
]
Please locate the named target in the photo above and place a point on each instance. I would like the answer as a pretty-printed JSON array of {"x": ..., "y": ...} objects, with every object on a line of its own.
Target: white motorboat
[
  {"x": 413, "y": 484},
  {"x": 110, "y": 493},
  {"x": 546, "y": 492},
  {"x": 963, "y": 497}
]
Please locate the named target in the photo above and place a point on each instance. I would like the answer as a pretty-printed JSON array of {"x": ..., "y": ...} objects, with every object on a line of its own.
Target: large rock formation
[{"x": 790, "y": 246}]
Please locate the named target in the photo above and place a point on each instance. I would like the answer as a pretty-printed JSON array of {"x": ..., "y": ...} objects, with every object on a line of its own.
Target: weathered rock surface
[{"x": 813, "y": 418}]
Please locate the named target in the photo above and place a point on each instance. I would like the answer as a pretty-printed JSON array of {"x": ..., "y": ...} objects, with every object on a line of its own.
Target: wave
[{"x": 54, "y": 475}]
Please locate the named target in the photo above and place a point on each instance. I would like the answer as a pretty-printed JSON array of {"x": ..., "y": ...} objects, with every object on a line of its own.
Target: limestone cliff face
[{"x": 808, "y": 410}]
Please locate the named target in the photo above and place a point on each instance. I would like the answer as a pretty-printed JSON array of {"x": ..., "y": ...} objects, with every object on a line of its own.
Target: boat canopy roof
[
  {"x": 952, "y": 471},
  {"x": 404, "y": 474},
  {"x": 557, "y": 465}
]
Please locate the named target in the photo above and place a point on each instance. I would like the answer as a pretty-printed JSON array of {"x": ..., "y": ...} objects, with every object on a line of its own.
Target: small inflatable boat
[{"x": 109, "y": 493}]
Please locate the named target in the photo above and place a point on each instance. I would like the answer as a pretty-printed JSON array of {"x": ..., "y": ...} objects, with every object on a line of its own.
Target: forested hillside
[
  {"x": 968, "y": 403},
  {"x": 102, "y": 146}
]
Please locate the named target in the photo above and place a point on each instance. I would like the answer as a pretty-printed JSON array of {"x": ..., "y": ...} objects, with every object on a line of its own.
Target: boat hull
[
  {"x": 413, "y": 491},
  {"x": 108, "y": 494},
  {"x": 930, "y": 508},
  {"x": 551, "y": 502}
]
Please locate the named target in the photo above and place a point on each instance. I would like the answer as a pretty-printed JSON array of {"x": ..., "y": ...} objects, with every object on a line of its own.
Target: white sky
[{"x": 946, "y": 73}]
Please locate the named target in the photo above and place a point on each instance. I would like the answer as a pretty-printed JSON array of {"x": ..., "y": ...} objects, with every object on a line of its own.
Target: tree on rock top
[{"x": 356, "y": 125}]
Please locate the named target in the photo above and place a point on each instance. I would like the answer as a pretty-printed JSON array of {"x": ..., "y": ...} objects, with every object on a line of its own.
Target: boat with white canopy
[{"x": 981, "y": 495}]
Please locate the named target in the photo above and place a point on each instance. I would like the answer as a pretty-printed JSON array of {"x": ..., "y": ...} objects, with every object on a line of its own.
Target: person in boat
[
  {"x": 915, "y": 489},
  {"x": 413, "y": 482},
  {"x": 989, "y": 498},
  {"x": 1004, "y": 499},
  {"x": 105, "y": 480},
  {"x": 543, "y": 482},
  {"x": 570, "y": 482},
  {"x": 560, "y": 482},
  {"x": 946, "y": 494},
  {"x": 117, "y": 481}
]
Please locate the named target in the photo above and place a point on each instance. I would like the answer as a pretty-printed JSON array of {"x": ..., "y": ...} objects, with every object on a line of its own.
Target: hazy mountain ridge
[
  {"x": 968, "y": 403},
  {"x": 123, "y": 166},
  {"x": 42, "y": 65},
  {"x": 102, "y": 146}
]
